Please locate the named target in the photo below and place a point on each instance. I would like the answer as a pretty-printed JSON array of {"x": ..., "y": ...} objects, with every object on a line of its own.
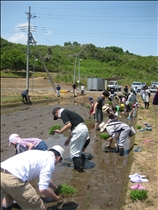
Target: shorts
[
  {"x": 98, "y": 115},
  {"x": 22, "y": 192},
  {"x": 41, "y": 146}
]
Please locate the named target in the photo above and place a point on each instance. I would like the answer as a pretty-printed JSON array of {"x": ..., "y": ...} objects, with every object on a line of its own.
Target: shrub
[
  {"x": 104, "y": 136},
  {"x": 54, "y": 127},
  {"x": 66, "y": 189},
  {"x": 138, "y": 195}
]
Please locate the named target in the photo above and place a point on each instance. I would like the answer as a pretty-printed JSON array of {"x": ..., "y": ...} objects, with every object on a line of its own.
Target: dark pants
[
  {"x": 24, "y": 97},
  {"x": 146, "y": 105}
]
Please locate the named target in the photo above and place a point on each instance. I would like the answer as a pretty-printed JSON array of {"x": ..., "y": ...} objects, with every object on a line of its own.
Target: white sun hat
[
  {"x": 12, "y": 137},
  {"x": 59, "y": 149}
]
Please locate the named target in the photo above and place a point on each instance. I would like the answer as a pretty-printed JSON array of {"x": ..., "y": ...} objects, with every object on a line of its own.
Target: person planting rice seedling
[
  {"x": 19, "y": 170},
  {"x": 77, "y": 136}
]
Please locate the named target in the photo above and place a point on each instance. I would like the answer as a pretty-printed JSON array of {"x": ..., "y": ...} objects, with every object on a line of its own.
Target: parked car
[
  {"x": 139, "y": 86},
  {"x": 153, "y": 87}
]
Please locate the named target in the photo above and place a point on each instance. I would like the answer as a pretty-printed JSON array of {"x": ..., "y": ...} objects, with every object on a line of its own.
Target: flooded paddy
[{"x": 103, "y": 184}]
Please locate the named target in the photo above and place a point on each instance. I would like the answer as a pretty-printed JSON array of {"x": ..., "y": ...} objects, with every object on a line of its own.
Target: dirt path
[
  {"x": 105, "y": 184},
  {"x": 145, "y": 162}
]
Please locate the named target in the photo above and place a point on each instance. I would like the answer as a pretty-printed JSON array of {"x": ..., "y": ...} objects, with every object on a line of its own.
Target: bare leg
[{"x": 97, "y": 126}]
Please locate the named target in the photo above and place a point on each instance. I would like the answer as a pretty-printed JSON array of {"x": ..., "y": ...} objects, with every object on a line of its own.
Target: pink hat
[{"x": 12, "y": 138}]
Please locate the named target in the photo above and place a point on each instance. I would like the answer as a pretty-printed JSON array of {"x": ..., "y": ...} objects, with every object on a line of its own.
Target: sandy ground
[{"x": 105, "y": 183}]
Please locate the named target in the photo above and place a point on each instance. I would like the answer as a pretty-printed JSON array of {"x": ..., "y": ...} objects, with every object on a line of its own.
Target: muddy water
[{"x": 103, "y": 184}]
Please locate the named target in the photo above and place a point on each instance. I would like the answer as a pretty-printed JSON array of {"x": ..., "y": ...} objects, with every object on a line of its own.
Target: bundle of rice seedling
[
  {"x": 54, "y": 127},
  {"x": 104, "y": 136}
]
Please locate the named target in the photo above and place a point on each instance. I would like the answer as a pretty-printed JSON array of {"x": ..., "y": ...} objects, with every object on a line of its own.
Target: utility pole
[
  {"x": 50, "y": 79},
  {"x": 28, "y": 49},
  {"x": 79, "y": 79},
  {"x": 74, "y": 80}
]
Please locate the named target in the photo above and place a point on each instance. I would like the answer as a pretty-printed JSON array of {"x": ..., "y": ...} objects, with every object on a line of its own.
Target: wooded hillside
[{"x": 92, "y": 61}]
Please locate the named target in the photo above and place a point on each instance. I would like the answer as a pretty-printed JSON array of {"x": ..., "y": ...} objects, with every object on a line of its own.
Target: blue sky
[{"x": 131, "y": 25}]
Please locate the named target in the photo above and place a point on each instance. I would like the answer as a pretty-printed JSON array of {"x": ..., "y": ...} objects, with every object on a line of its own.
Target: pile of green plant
[
  {"x": 65, "y": 189},
  {"x": 121, "y": 109},
  {"x": 54, "y": 127},
  {"x": 110, "y": 102},
  {"x": 88, "y": 107},
  {"x": 138, "y": 126},
  {"x": 104, "y": 136},
  {"x": 138, "y": 195}
]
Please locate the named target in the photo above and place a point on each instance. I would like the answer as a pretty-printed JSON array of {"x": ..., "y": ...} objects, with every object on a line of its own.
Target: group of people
[
  {"x": 74, "y": 88},
  {"x": 113, "y": 126},
  {"x": 34, "y": 159}
]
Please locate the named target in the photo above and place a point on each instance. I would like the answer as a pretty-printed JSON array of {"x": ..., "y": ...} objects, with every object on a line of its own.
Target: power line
[
  {"x": 95, "y": 8},
  {"x": 89, "y": 33}
]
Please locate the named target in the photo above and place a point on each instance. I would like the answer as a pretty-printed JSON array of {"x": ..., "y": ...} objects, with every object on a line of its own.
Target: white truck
[{"x": 114, "y": 85}]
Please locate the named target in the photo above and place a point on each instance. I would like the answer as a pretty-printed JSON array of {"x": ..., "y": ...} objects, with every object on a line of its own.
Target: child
[
  {"x": 113, "y": 115},
  {"x": 91, "y": 106}
]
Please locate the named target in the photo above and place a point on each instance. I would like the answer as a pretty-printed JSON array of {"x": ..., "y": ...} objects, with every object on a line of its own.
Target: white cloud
[
  {"x": 19, "y": 38},
  {"x": 20, "y": 35},
  {"x": 21, "y": 26}
]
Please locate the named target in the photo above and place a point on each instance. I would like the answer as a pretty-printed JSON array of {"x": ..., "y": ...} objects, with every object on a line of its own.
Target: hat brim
[
  {"x": 55, "y": 118},
  {"x": 105, "y": 110},
  {"x": 102, "y": 129}
]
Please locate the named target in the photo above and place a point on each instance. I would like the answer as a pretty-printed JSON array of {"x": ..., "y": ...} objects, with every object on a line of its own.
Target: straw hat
[
  {"x": 105, "y": 108},
  {"x": 102, "y": 126}
]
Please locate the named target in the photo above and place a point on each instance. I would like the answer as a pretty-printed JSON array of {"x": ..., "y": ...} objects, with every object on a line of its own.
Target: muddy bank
[{"x": 104, "y": 182}]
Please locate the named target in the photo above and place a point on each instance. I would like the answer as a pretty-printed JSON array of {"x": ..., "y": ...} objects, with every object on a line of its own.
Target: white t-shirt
[
  {"x": 30, "y": 165},
  {"x": 82, "y": 87}
]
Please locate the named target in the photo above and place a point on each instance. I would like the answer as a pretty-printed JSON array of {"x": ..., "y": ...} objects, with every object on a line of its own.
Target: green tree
[{"x": 13, "y": 59}]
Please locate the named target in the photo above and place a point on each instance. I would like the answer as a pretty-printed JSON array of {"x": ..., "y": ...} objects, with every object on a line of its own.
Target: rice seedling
[
  {"x": 65, "y": 189},
  {"x": 121, "y": 109},
  {"x": 104, "y": 136},
  {"x": 138, "y": 195},
  {"x": 54, "y": 127},
  {"x": 138, "y": 126}
]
